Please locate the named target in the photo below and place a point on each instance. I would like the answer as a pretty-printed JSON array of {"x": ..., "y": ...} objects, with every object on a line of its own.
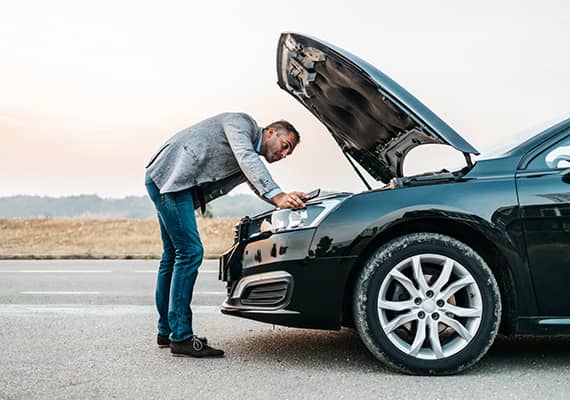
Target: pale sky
[{"x": 90, "y": 89}]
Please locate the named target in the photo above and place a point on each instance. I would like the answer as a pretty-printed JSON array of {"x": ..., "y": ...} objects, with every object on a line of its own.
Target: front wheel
[{"x": 427, "y": 304}]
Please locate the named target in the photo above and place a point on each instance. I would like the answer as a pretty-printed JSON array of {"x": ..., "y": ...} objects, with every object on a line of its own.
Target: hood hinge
[{"x": 468, "y": 159}]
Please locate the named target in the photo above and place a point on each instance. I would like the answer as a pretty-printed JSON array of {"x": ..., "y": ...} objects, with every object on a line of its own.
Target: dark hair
[{"x": 282, "y": 124}]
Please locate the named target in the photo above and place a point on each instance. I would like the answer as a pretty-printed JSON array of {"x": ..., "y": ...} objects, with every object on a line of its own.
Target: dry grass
[{"x": 100, "y": 238}]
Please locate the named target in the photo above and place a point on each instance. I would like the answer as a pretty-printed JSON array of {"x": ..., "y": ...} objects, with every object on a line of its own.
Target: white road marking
[
  {"x": 56, "y": 271},
  {"x": 56, "y": 292},
  {"x": 85, "y": 271},
  {"x": 59, "y": 292},
  {"x": 153, "y": 271},
  {"x": 96, "y": 310},
  {"x": 217, "y": 293}
]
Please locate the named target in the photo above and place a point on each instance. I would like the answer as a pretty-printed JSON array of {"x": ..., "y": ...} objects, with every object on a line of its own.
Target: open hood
[{"x": 371, "y": 117}]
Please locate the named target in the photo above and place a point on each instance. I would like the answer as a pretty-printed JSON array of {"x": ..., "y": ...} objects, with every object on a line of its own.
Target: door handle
[{"x": 565, "y": 175}]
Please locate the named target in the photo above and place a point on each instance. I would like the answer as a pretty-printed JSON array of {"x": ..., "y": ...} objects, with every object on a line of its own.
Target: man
[{"x": 193, "y": 167}]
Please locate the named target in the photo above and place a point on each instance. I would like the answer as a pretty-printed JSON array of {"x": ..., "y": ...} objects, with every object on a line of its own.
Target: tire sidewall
[{"x": 376, "y": 271}]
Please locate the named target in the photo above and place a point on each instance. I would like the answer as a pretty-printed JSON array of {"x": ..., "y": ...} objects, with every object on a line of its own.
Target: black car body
[{"x": 499, "y": 226}]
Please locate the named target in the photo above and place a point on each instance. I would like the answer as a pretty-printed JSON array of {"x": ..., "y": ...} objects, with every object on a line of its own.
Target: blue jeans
[{"x": 181, "y": 257}]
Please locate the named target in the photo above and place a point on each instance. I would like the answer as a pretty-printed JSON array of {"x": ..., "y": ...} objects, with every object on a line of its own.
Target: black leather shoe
[
  {"x": 194, "y": 347},
  {"x": 164, "y": 341}
]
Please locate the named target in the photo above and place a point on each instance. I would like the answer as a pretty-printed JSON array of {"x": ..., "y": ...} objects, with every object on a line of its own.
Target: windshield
[{"x": 511, "y": 141}]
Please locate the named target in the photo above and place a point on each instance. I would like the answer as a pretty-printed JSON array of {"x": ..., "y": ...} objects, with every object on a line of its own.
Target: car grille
[
  {"x": 241, "y": 229},
  {"x": 236, "y": 233},
  {"x": 266, "y": 294}
]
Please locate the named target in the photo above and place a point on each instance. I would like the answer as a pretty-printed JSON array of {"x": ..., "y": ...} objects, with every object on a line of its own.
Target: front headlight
[{"x": 311, "y": 215}]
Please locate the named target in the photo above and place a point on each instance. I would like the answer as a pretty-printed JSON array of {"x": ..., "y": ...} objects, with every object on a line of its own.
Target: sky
[{"x": 90, "y": 89}]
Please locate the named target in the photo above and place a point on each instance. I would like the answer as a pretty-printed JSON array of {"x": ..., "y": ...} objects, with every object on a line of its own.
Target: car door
[{"x": 544, "y": 195}]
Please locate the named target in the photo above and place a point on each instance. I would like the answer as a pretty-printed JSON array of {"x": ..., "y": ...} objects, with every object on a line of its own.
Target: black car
[{"x": 429, "y": 268}]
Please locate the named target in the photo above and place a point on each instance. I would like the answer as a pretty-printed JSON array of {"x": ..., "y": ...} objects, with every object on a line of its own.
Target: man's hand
[
  {"x": 289, "y": 200},
  {"x": 389, "y": 185}
]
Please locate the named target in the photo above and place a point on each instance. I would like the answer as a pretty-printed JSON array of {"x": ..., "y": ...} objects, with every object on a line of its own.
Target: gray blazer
[{"x": 214, "y": 155}]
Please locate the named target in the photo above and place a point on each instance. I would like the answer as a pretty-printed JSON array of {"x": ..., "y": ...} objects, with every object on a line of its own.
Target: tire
[{"x": 456, "y": 296}]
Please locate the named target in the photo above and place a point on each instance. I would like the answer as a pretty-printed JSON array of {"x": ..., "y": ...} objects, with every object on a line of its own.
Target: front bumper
[{"x": 273, "y": 278}]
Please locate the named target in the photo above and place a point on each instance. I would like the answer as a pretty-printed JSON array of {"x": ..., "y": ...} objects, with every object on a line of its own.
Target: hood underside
[{"x": 370, "y": 116}]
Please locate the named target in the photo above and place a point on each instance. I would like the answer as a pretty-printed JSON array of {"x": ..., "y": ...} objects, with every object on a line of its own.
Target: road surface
[{"x": 86, "y": 330}]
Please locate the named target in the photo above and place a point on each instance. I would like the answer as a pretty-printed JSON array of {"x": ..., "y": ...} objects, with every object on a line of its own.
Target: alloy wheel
[{"x": 429, "y": 306}]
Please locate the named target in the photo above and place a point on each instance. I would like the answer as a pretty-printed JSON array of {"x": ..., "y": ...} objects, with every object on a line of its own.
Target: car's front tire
[{"x": 427, "y": 304}]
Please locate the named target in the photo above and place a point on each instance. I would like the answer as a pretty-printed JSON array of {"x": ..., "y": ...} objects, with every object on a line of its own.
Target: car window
[
  {"x": 556, "y": 156},
  {"x": 509, "y": 142}
]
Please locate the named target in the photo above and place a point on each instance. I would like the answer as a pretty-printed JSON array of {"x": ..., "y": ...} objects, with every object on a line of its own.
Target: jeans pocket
[
  {"x": 183, "y": 197},
  {"x": 167, "y": 200}
]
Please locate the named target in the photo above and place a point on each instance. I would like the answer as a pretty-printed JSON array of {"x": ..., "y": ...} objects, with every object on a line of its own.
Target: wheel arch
[{"x": 486, "y": 248}]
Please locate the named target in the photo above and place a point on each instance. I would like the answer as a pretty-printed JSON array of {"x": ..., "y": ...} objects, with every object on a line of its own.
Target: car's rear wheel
[{"x": 426, "y": 303}]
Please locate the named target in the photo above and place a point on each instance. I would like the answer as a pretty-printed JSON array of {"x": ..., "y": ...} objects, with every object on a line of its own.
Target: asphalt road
[{"x": 86, "y": 330}]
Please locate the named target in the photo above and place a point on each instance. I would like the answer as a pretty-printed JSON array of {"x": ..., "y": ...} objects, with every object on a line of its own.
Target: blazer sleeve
[
  {"x": 238, "y": 130},
  {"x": 262, "y": 197}
]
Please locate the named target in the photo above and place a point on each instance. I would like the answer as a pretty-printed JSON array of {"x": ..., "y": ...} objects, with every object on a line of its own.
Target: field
[{"x": 53, "y": 238}]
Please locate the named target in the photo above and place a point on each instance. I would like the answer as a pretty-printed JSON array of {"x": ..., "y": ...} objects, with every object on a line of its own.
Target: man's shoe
[
  {"x": 163, "y": 341},
  {"x": 194, "y": 347}
]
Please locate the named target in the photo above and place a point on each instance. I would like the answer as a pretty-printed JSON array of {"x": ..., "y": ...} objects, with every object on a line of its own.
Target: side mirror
[{"x": 556, "y": 160}]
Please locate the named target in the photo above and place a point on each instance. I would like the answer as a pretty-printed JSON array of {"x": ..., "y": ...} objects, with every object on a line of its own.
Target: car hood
[{"x": 371, "y": 117}]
